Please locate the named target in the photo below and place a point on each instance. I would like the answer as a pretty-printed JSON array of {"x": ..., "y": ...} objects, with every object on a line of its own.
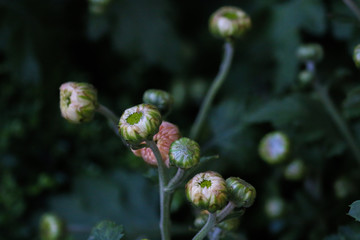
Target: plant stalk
[
  {"x": 225, "y": 211},
  {"x": 176, "y": 180},
  {"x": 165, "y": 197},
  {"x": 112, "y": 118},
  {"x": 352, "y": 6},
  {"x": 210, "y": 223},
  {"x": 218, "y": 81}
]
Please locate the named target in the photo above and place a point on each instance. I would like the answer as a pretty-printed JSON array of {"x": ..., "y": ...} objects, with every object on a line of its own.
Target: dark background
[{"x": 84, "y": 174}]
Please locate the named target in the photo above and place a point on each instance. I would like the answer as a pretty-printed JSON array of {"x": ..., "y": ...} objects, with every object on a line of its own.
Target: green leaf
[
  {"x": 355, "y": 210},
  {"x": 107, "y": 230},
  {"x": 351, "y": 105}
]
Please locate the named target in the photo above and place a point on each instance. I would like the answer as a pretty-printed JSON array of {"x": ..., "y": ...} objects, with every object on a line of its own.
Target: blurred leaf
[
  {"x": 107, "y": 230},
  {"x": 355, "y": 210},
  {"x": 351, "y": 105}
]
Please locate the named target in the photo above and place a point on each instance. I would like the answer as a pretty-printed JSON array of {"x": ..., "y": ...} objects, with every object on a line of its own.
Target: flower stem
[
  {"x": 112, "y": 118},
  {"x": 218, "y": 81},
  {"x": 211, "y": 221},
  {"x": 352, "y": 6},
  {"x": 165, "y": 197},
  {"x": 175, "y": 181},
  {"x": 215, "y": 234},
  {"x": 225, "y": 211},
  {"x": 335, "y": 115}
]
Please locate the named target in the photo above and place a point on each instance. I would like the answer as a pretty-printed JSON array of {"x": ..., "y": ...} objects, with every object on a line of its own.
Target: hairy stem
[
  {"x": 206, "y": 228},
  {"x": 165, "y": 197},
  {"x": 352, "y": 6},
  {"x": 218, "y": 81}
]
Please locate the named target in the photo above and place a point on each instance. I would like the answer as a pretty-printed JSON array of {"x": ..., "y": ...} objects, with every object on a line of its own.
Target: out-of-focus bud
[
  {"x": 78, "y": 101},
  {"x": 51, "y": 227},
  {"x": 227, "y": 225},
  {"x": 184, "y": 153},
  {"x": 241, "y": 193},
  {"x": 310, "y": 52},
  {"x": 207, "y": 191},
  {"x": 161, "y": 99},
  {"x": 274, "y": 147},
  {"x": 343, "y": 187},
  {"x": 274, "y": 207},
  {"x": 139, "y": 123},
  {"x": 295, "y": 170},
  {"x": 229, "y": 23},
  {"x": 167, "y": 134},
  {"x": 356, "y": 56},
  {"x": 98, "y": 7},
  {"x": 305, "y": 78}
]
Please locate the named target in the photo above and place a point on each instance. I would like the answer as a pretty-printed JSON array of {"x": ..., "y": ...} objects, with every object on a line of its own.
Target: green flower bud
[
  {"x": 98, "y": 6},
  {"x": 241, "y": 193},
  {"x": 139, "y": 123},
  {"x": 229, "y": 22},
  {"x": 306, "y": 77},
  {"x": 161, "y": 99},
  {"x": 295, "y": 170},
  {"x": 78, "y": 101},
  {"x": 310, "y": 52},
  {"x": 184, "y": 153},
  {"x": 274, "y": 147},
  {"x": 356, "y": 56},
  {"x": 51, "y": 227},
  {"x": 207, "y": 191},
  {"x": 274, "y": 207}
]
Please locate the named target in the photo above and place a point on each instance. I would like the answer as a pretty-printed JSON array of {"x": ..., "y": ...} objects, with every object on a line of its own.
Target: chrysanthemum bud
[
  {"x": 167, "y": 134},
  {"x": 305, "y": 77},
  {"x": 310, "y": 52},
  {"x": 227, "y": 225},
  {"x": 207, "y": 191},
  {"x": 295, "y": 170},
  {"x": 274, "y": 207},
  {"x": 78, "y": 101},
  {"x": 161, "y": 99},
  {"x": 51, "y": 227},
  {"x": 356, "y": 56},
  {"x": 98, "y": 6},
  {"x": 229, "y": 22},
  {"x": 139, "y": 123},
  {"x": 240, "y": 192},
  {"x": 184, "y": 153},
  {"x": 274, "y": 147}
]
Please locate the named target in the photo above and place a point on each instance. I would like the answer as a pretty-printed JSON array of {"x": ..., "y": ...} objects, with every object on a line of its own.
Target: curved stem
[
  {"x": 353, "y": 8},
  {"x": 335, "y": 115},
  {"x": 218, "y": 81},
  {"x": 175, "y": 181},
  {"x": 165, "y": 197},
  {"x": 112, "y": 118},
  {"x": 225, "y": 211},
  {"x": 206, "y": 228}
]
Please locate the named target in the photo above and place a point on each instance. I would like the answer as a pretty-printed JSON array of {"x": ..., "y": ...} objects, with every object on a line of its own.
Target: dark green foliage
[
  {"x": 355, "y": 210},
  {"x": 107, "y": 230}
]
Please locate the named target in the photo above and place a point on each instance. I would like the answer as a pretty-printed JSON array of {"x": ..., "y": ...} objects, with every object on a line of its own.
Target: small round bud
[
  {"x": 184, "y": 153},
  {"x": 274, "y": 207},
  {"x": 167, "y": 134},
  {"x": 78, "y": 101},
  {"x": 241, "y": 193},
  {"x": 207, "y": 191},
  {"x": 229, "y": 22},
  {"x": 295, "y": 170},
  {"x": 161, "y": 99},
  {"x": 98, "y": 6},
  {"x": 274, "y": 147},
  {"x": 306, "y": 77},
  {"x": 356, "y": 56},
  {"x": 51, "y": 227},
  {"x": 139, "y": 123},
  {"x": 343, "y": 187},
  {"x": 310, "y": 52}
]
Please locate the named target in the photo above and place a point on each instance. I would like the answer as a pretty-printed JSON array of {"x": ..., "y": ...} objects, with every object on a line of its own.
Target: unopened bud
[
  {"x": 241, "y": 193},
  {"x": 51, "y": 227},
  {"x": 310, "y": 52},
  {"x": 229, "y": 23},
  {"x": 305, "y": 77},
  {"x": 78, "y": 101},
  {"x": 207, "y": 191},
  {"x": 161, "y": 99},
  {"x": 275, "y": 207},
  {"x": 356, "y": 56},
  {"x": 295, "y": 170},
  {"x": 274, "y": 147},
  {"x": 184, "y": 153},
  {"x": 139, "y": 123}
]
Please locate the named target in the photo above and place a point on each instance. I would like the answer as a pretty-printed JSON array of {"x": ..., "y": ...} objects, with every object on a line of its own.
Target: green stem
[
  {"x": 352, "y": 6},
  {"x": 165, "y": 197},
  {"x": 218, "y": 81},
  {"x": 206, "y": 228},
  {"x": 215, "y": 234},
  {"x": 225, "y": 211},
  {"x": 175, "y": 181},
  {"x": 335, "y": 115},
  {"x": 112, "y": 118}
]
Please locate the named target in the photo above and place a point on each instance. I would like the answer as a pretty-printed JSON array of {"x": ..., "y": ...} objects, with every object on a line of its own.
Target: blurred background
[{"x": 84, "y": 174}]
